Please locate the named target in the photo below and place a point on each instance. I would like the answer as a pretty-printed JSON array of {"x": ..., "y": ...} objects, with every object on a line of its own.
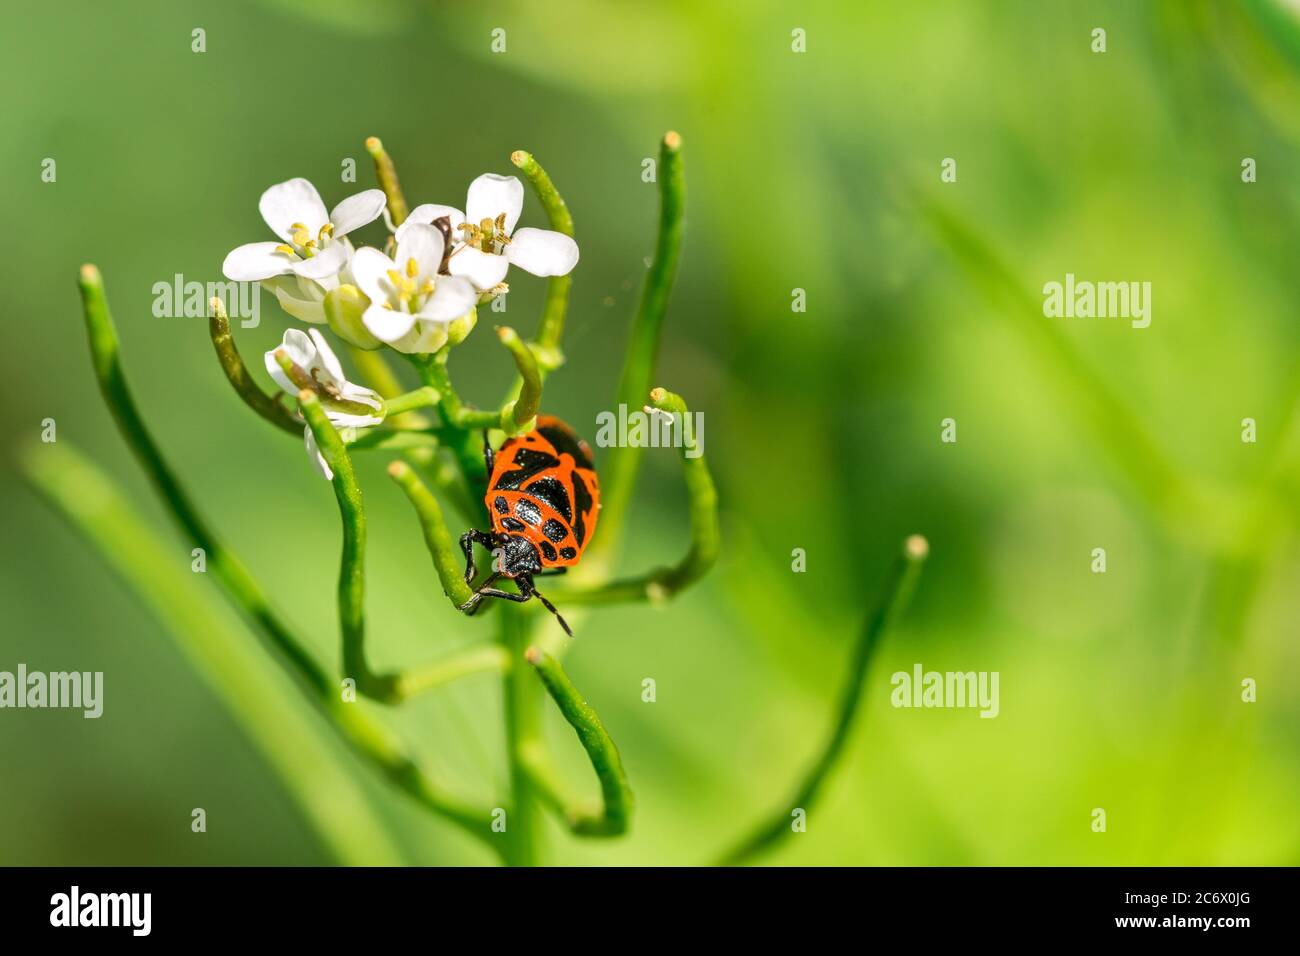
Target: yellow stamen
[
  {"x": 326, "y": 231},
  {"x": 287, "y": 250},
  {"x": 412, "y": 267}
]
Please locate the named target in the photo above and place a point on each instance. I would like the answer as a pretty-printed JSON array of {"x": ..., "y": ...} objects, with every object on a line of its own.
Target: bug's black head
[{"x": 518, "y": 555}]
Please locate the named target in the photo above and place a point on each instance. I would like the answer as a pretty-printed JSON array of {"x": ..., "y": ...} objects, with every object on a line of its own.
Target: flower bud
[
  {"x": 344, "y": 307},
  {"x": 459, "y": 329}
]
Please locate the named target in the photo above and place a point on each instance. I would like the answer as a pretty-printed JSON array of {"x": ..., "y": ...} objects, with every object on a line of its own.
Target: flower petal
[
  {"x": 255, "y": 261},
  {"x": 314, "y": 455},
  {"x": 300, "y": 350},
  {"x": 422, "y": 243},
  {"x": 481, "y": 268},
  {"x": 352, "y": 392},
  {"x": 542, "y": 252},
  {"x": 387, "y": 325},
  {"x": 491, "y": 195},
  {"x": 326, "y": 359},
  {"x": 370, "y": 269},
  {"x": 325, "y": 264},
  {"x": 423, "y": 337},
  {"x": 304, "y": 310},
  {"x": 357, "y": 211},
  {"x": 452, "y": 297},
  {"x": 293, "y": 201},
  {"x": 428, "y": 212}
]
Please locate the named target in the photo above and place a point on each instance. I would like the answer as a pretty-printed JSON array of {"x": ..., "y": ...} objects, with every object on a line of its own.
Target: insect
[{"x": 543, "y": 498}]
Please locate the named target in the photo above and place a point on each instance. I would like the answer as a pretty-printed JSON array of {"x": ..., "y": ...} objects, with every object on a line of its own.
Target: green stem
[
  {"x": 614, "y": 817},
  {"x": 393, "y": 439},
  {"x": 221, "y": 651},
  {"x": 520, "y": 415},
  {"x": 386, "y": 173},
  {"x": 897, "y": 590},
  {"x": 237, "y": 373},
  {"x": 664, "y": 583},
  {"x": 105, "y": 350},
  {"x": 475, "y": 660},
  {"x": 370, "y": 738},
  {"x": 523, "y": 726},
  {"x": 373, "y": 369},
  {"x": 352, "y": 571},
  {"x": 407, "y": 401},
  {"x": 619, "y": 472},
  {"x": 551, "y": 329},
  {"x": 436, "y": 538}
]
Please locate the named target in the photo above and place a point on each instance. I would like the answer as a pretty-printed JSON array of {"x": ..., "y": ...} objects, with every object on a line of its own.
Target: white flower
[
  {"x": 488, "y": 242},
  {"x": 410, "y": 303},
  {"x": 346, "y": 405},
  {"x": 312, "y": 245}
]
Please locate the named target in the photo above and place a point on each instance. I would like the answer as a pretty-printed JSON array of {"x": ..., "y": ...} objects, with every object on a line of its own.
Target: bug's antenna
[{"x": 551, "y": 607}]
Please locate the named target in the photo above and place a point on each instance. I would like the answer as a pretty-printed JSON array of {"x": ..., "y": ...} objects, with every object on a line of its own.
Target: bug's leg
[
  {"x": 489, "y": 457},
  {"x": 467, "y": 545},
  {"x": 528, "y": 589},
  {"x": 475, "y": 599},
  {"x": 496, "y": 593},
  {"x": 551, "y": 607}
]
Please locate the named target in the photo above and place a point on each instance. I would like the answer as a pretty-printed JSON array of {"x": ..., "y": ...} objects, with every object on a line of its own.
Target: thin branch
[
  {"x": 897, "y": 590},
  {"x": 489, "y": 658},
  {"x": 613, "y": 819},
  {"x": 386, "y": 173},
  {"x": 105, "y": 350},
  {"x": 518, "y": 416},
  {"x": 370, "y": 738},
  {"x": 352, "y": 570},
  {"x": 237, "y": 373},
  {"x": 421, "y": 397},
  {"x": 551, "y": 328},
  {"x": 664, "y": 583},
  {"x": 436, "y": 537},
  {"x": 223, "y": 652},
  {"x": 621, "y": 465},
  {"x": 393, "y": 439}
]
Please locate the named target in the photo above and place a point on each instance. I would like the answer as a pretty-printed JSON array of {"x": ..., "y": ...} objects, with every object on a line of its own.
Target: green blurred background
[{"x": 817, "y": 171}]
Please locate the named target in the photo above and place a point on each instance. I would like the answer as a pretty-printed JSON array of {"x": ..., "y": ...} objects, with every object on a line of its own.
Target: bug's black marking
[
  {"x": 555, "y": 531},
  {"x": 512, "y": 524},
  {"x": 553, "y": 493},
  {"x": 500, "y": 505},
  {"x": 581, "y": 505},
  {"x": 568, "y": 554},
  {"x": 548, "y": 552},
  {"x": 529, "y": 463},
  {"x": 528, "y": 511},
  {"x": 566, "y": 443}
]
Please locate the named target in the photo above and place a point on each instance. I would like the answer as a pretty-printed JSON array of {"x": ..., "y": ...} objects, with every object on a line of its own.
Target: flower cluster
[{"x": 437, "y": 267}]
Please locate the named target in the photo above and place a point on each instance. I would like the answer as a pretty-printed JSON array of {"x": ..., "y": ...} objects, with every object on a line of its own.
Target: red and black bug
[{"x": 543, "y": 499}]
